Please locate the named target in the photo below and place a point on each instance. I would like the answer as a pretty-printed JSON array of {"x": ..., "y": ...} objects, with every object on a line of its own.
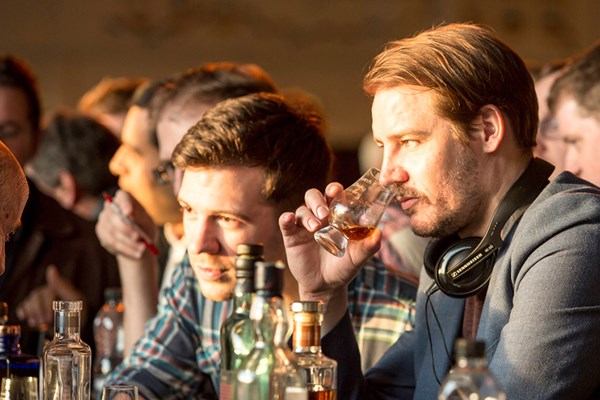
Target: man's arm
[
  {"x": 548, "y": 347},
  {"x": 138, "y": 267}
]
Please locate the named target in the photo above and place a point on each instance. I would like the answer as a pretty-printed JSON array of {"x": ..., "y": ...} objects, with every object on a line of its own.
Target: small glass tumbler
[
  {"x": 120, "y": 392},
  {"x": 355, "y": 213}
]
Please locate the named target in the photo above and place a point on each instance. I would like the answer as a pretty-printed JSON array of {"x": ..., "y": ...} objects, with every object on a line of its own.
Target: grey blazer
[{"x": 540, "y": 319}]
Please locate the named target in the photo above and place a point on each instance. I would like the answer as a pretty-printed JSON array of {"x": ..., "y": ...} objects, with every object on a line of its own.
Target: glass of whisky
[{"x": 355, "y": 213}]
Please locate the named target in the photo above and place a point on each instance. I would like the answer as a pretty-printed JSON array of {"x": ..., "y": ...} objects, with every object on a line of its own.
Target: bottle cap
[
  {"x": 307, "y": 307},
  {"x": 113, "y": 293},
  {"x": 253, "y": 250},
  {"x": 63, "y": 305},
  {"x": 469, "y": 348},
  {"x": 12, "y": 330},
  {"x": 268, "y": 277},
  {"x": 246, "y": 256}
]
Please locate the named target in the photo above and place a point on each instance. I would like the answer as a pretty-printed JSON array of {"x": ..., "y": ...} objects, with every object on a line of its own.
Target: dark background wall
[{"x": 320, "y": 46}]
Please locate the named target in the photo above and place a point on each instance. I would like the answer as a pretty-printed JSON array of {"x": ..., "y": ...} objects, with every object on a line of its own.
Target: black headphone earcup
[
  {"x": 442, "y": 255},
  {"x": 435, "y": 250}
]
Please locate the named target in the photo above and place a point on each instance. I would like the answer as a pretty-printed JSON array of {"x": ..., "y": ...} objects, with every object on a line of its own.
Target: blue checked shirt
[{"x": 179, "y": 355}]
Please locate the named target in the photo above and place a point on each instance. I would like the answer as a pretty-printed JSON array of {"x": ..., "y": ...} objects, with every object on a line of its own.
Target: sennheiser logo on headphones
[{"x": 454, "y": 274}]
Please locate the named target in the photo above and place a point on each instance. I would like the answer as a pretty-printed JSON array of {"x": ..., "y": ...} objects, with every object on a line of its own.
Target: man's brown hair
[
  {"x": 467, "y": 67},
  {"x": 262, "y": 130}
]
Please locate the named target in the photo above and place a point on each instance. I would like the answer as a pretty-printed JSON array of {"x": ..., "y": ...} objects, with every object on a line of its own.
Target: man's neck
[{"x": 499, "y": 179}]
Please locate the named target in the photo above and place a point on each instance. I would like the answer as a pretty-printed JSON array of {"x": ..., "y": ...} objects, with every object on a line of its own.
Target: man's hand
[
  {"x": 319, "y": 273},
  {"x": 36, "y": 308},
  {"x": 116, "y": 236}
]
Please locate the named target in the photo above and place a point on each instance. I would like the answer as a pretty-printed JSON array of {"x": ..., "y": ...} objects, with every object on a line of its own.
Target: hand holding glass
[
  {"x": 120, "y": 392},
  {"x": 355, "y": 213}
]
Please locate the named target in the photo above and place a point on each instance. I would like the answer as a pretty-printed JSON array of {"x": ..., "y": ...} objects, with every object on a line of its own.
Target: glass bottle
[
  {"x": 270, "y": 372},
  {"x": 470, "y": 378},
  {"x": 19, "y": 372},
  {"x": 321, "y": 371},
  {"x": 67, "y": 359},
  {"x": 109, "y": 337},
  {"x": 237, "y": 331}
]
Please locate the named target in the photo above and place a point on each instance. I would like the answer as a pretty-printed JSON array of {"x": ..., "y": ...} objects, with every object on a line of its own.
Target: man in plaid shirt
[{"x": 245, "y": 162}]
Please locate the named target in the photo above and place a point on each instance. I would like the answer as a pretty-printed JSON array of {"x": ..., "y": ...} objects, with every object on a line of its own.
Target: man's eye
[
  {"x": 228, "y": 221},
  {"x": 8, "y": 131},
  {"x": 185, "y": 209},
  {"x": 572, "y": 141}
]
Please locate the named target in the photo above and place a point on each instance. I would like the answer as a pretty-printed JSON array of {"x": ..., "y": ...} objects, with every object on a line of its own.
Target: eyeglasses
[
  {"x": 549, "y": 129},
  {"x": 164, "y": 173}
]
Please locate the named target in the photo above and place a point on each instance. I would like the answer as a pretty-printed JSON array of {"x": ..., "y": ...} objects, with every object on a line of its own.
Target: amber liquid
[
  {"x": 322, "y": 395},
  {"x": 357, "y": 232}
]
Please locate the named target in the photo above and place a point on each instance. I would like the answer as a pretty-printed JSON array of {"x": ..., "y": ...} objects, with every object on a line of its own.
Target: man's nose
[{"x": 200, "y": 237}]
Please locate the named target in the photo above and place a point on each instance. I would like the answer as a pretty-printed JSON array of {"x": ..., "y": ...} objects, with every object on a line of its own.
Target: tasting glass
[
  {"x": 120, "y": 392},
  {"x": 354, "y": 214}
]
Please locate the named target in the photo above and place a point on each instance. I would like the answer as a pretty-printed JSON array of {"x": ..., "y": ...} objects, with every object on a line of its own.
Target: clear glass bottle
[
  {"x": 470, "y": 378},
  {"x": 270, "y": 372},
  {"x": 67, "y": 359},
  {"x": 18, "y": 371},
  {"x": 237, "y": 331},
  {"x": 109, "y": 338},
  {"x": 321, "y": 371}
]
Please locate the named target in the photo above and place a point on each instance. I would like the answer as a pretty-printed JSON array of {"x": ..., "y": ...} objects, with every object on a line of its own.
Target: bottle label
[
  {"x": 296, "y": 393},
  {"x": 225, "y": 390}
]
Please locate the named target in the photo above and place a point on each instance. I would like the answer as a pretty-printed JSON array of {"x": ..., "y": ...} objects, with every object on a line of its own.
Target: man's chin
[{"x": 216, "y": 291}]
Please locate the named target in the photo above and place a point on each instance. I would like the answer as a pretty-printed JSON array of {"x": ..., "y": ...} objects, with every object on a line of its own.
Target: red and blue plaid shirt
[{"x": 179, "y": 355}]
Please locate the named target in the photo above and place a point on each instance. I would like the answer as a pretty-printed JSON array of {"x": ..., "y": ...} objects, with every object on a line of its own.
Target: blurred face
[
  {"x": 174, "y": 122},
  {"x": 223, "y": 207},
  {"x": 581, "y": 135},
  {"x": 13, "y": 192},
  {"x": 15, "y": 129},
  {"x": 133, "y": 164},
  {"x": 550, "y": 145},
  {"x": 436, "y": 174}
]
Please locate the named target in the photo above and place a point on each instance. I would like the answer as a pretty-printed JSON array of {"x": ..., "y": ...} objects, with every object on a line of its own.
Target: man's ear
[
  {"x": 490, "y": 127},
  {"x": 66, "y": 191}
]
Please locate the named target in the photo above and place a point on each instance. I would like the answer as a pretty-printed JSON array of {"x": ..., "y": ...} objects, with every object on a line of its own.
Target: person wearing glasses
[{"x": 149, "y": 183}]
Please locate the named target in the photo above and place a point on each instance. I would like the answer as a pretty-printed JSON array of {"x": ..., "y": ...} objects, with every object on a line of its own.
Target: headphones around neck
[{"x": 462, "y": 267}]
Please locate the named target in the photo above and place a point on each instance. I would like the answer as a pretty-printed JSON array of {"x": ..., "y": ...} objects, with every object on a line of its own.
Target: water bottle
[
  {"x": 67, "y": 359},
  {"x": 470, "y": 378},
  {"x": 108, "y": 338}
]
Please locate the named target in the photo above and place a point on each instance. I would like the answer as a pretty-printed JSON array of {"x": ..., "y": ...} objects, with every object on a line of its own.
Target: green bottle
[
  {"x": 270, "y": 372},
  {"x": 237, "y": 331}
]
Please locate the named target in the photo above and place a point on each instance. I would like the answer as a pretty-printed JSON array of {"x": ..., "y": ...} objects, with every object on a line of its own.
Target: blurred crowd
[{"x": 158, "y": 148}]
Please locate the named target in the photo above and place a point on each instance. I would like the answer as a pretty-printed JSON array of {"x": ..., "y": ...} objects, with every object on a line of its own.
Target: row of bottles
[
  {"x": 257, "y": 363},
  {"x": 67, "y": 369}
]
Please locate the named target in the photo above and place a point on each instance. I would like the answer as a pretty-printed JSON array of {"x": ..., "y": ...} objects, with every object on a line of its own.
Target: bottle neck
[
  {"x": 268, "y": 314},
  {"x": 9, "y": 344},
  {"x": 307, "y": 337},
  {"x": 472, "y": 362},
  {"x": 243, "y": 293},
  {"x": 66, "y": 323}
]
